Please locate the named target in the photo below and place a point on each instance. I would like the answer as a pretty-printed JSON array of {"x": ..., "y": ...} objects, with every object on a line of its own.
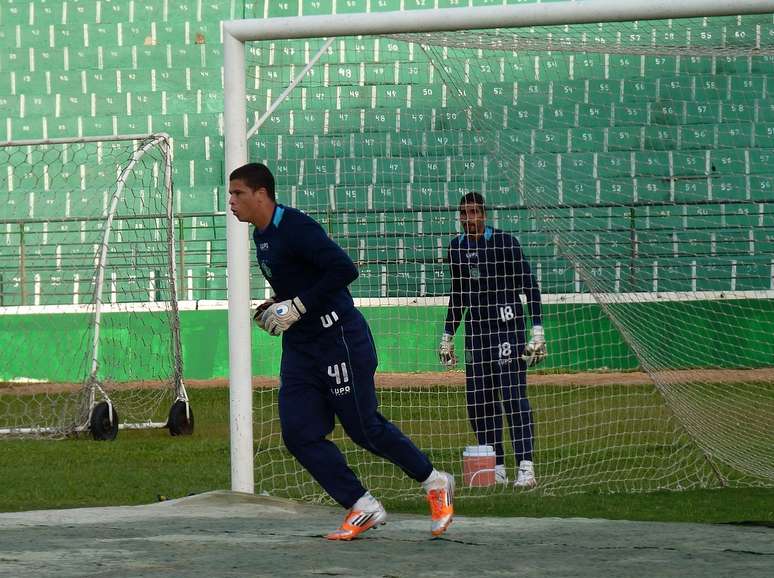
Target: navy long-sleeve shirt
[
  {"x": 488, "y": 275},
  {"x": 299, "y": 259}
]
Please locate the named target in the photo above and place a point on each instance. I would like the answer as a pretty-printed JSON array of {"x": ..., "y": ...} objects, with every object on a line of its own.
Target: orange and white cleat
[
  {"x": 441, "y": 504},
  {"x": 358, "y": 521}
]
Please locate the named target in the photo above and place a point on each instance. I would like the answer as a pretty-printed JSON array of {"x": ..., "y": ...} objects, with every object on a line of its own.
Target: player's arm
[
  {"x": 454, "y": 313},
  {"x": 310, "y": 241},
  {"x": 535, "y": 351}
]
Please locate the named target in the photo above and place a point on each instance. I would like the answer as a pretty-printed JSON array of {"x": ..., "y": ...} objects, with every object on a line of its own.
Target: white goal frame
[{"x": 237, "y": 32}]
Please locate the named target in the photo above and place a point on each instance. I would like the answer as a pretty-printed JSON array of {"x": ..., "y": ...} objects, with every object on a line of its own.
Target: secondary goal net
[
  {"x": 89, "y": 325},
  {"x": 631, "y": 158}
]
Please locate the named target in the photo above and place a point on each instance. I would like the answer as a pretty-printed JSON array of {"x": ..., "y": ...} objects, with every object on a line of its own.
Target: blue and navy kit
[
  {"x": 299, "y": 259},
  {"x": 489, "y": 275},
  {"x": 328, "y": 358}
]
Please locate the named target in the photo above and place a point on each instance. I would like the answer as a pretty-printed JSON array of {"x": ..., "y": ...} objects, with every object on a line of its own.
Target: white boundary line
[{"x": 442, "y": 301}]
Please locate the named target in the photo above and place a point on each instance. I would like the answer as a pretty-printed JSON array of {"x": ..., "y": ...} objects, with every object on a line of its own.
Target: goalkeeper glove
[
  {"x": 446, "y": 351},
  {"x": 535, "y": 350},
  {"x": 278, "y": 317},
  {"x": 258, "y": 312}
]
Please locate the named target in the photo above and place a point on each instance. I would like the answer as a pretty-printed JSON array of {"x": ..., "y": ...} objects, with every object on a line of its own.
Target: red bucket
[{"x": 478, "y": 466}]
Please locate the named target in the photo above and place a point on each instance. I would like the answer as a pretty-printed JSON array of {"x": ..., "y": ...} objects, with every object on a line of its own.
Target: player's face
[
  {"x": 244, "y": 202},
  {"x": 472, "y": 219}
]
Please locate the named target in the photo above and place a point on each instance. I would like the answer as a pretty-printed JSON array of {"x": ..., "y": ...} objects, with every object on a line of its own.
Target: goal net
[
  {"x": 88, "y": 308},
  {"x": 632, "y": 161}
]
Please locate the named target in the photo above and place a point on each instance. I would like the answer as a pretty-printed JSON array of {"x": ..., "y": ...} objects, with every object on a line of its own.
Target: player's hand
[
  {"x": 278, "y": 317},
  {"x": 258, "y": 312},
  {"x": 535, "y": 351},
  {"x": 446, "y": 351}
]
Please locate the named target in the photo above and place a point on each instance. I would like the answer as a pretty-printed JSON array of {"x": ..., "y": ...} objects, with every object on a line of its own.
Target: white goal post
[{"x": 235, "y": 36}]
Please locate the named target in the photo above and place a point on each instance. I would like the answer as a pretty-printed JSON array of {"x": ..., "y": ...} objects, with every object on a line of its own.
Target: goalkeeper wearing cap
[
  {"x": 328, "y": 358},
  {"x": 488, "y": 274}
]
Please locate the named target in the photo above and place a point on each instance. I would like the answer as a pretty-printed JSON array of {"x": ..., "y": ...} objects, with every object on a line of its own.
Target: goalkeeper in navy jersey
[
  {"x": 489, "y": 273},
  {"x": 328, "y": 357}
]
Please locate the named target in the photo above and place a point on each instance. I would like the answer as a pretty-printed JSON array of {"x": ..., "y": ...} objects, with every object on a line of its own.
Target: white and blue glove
[
  {"x": 278, "y": 317},
  {"x": 535, "y": 351},
  {"x": 446, "y": 351}
]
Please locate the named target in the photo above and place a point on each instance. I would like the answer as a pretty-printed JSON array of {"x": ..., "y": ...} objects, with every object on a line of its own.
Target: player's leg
[
  {"x": 483, "y": 405},
  {"x": 513, "y": 390},
  {"x": 306, "y": 419},
  {"x": 351, "y": 363},
  {"x": 351, "y": 366}
]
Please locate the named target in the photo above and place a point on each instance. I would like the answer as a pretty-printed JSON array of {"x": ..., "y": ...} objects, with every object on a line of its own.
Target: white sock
[
  {"x": 366, "y": 503},
  {"x": 435, "y": 481}
]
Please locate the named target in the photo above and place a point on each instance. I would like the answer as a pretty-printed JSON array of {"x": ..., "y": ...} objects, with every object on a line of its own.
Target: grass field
[{"x": 141, "y": 466}]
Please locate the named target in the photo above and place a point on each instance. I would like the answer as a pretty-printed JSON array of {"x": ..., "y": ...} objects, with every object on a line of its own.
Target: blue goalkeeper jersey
[
  {"x": 488, "y": 276},
  {"x": 299, "y": 259}
]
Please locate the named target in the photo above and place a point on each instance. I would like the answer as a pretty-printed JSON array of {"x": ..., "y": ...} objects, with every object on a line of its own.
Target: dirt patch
[{"x": 445, "y": 378}]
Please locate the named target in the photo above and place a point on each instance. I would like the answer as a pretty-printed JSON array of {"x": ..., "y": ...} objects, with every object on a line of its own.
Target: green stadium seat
[
  {"x": 618, "y": 191},
  {"x": 639, "y": 91},
  {"x": 653, "y": 190},
  {"x": 356, "y": 171},
  {"x": 729, "y": 188},
  {"x": 704, "y": 216},
  {"x": 296, "y": 147},
  {"x": 437, "y": 222},
  {"x": 283, "y": 9},
  {"x": 347, "y": 197},
  {"x": 667, "y": 113},
  {"x": 604, "y": 92},
  {"x": 510, "y": 219},
  {"x": 691, "y": 190},
  {"x": 555, "y": 275},
  {"x": 390, "y": 5},
  {"x": 623, "y": 138},
  {"x": 741, "y": 215},
  {"x": 651, "y": 164},
  {"x": 704, "y": 113},
  {"x": 624, "y": 66},
  {"x": 393, "y": 170},
  {"x": 733, "y": 242},
  {"x": 391, "y": 96},
  {"x": 310, "y": 198},
  {"x": 537, "y": 246},
  {"x": 736, "y": 135},
  {"x": 615, "y": 165},
  {"x": 428, "y": 194},
  {"x": 673, "y": 274},
  {"x": 381, "y": 120},
  {"x": 401, "y": 224},
  {"x": 525, "y": 116},
  {"x": 764, "y": 136},
  {"x": 587, "y": 139},
  {"x": 675, "y": 89},
  {"x": 370, "y": 282},
  {"x": 656, "y": 244},
  {"x": 630, "y": 114},
  {"x": 417, "y": 74},
  {"x": 525, "y": 93},
  {"x": 437, "y": 279},
  {"x": 595, "y": 115},
  {"x": 761, "y": 187},
  {"x": 318, "y": 8},
  {"x": 696, "y": 65},
  {"x": 732, "y": 65},
  {"x": 694, "y": 243},
  {"x": 738, "y": 111},
  {"x": 713, "y": 274},
  {"x": 580, "y": 191},
  {"x": 557, "y": 118},
  {"x": 666, "y": 217},
  {"x": 760, "y": 161},
  {"x": 551, "y": 141},
  {"x": 308, "y": 122},
  {"x": 501, "y": 193},
  {"x": 752, "y": 274},
  {"x": 425, "y": 248},
  {"x": 404, "y": 280}
]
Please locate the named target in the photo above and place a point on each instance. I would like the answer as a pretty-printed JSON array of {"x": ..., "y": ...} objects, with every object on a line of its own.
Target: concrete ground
[{"x": 225, "y": 534}]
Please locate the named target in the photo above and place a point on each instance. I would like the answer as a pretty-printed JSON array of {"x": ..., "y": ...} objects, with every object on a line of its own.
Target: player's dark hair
[
  {"x": 255, "y": 176},
  {"x": 472, "y": 198}
]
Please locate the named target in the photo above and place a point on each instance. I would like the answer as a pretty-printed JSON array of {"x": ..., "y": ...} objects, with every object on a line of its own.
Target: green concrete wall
[{"x": 580, "y": 338}]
